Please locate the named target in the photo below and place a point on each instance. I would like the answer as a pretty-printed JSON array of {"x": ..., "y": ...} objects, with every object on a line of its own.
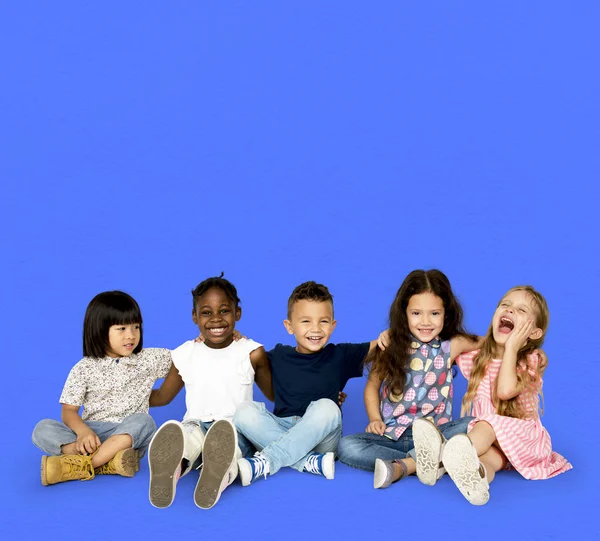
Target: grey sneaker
[
  {"x": 164, "y": 458},
  {"x": 218, "y": 462},
  {"x": 383, "y": 476},
  {"x": 462, "y": 464},
  {"x": 429, "y": 445}
]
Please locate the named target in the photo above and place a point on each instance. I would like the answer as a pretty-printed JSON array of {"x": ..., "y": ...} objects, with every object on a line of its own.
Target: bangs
[{"x": 123, "y": 312}]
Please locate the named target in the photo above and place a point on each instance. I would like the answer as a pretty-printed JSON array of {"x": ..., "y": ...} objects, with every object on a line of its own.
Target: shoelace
[
  {"x": 76, "y": 464},
  {"x": 313, "y": 464},
  {"x": 259, "y": 466},
  {"x": 107, "y": 469}
]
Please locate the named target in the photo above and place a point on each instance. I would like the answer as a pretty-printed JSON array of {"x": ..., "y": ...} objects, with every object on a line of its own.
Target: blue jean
[
  {"x": 246, "y": 448},
  {"x": 286, "y": 441},
  {"x": 50, "y": 435},
  {"x": 361, "y": 450}
]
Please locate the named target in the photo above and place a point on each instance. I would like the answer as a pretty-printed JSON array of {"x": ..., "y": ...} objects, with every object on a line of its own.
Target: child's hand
[
  {"x": 342, "y": 398},
  {"x": 237, "y": 335},
  {"x": 384, "y": 339},
  {"x": 518, "y": 338},
  {"x": 87, "y": 443},
  {"x": 376, "y": 427}
]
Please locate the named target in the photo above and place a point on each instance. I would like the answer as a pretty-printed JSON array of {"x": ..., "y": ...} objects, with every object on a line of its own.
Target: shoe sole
[
  {"x": 462, "y": 464},
  {"x": 129, "y": 463},
  {"x": 164, "y": 457},
  {"x": 429, "y": 443},
  {"x": 43, "y": 471},
  {"x": 218, "y": 455},
  {"x": 381, "y": 475}
]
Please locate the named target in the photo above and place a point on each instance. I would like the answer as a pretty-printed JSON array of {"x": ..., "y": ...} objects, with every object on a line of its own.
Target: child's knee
[
  {"x": 328, "y": 410},
  {"x": 44, "y": 427},
  {"x": 246, "y": 414}
]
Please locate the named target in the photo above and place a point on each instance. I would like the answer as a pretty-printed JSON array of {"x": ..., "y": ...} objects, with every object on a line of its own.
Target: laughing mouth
[
  {"x": 314, "y": 339},
  {"x": 506, "y": 324}
]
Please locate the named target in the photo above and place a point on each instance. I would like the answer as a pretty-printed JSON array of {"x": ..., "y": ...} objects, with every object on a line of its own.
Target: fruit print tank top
[{"x": 427, "y": 391}]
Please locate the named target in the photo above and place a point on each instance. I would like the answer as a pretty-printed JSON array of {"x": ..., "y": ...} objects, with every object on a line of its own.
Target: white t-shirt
[{"x": 216, "y": 381}]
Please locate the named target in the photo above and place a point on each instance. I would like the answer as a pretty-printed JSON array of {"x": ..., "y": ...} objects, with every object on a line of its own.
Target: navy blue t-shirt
[{"x": 299, "y": 379}]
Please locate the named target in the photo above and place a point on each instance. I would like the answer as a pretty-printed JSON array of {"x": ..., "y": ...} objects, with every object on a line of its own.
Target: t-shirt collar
[{"x": 434, "y": 344}]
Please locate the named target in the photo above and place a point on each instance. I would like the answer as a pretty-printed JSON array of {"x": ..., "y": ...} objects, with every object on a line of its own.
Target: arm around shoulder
[
  {"x": 169, "y": 389},
  {"x": 461, "y": 344},
  {"x": 262, "y": 372}
]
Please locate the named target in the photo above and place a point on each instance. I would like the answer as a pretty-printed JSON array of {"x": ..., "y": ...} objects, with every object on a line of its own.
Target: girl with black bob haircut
[
  {"x": 105, "y": 310},
  {"x": 112, "y": 382}
]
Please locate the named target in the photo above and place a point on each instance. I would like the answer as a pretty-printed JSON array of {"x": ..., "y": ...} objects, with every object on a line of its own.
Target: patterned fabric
[
  {"x": 112, "y": 389},
  {"x": 525, "y": 442},
  {"x": 427, "y": 391}
]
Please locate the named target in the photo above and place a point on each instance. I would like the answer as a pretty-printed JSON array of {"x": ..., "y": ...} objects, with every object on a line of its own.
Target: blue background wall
[{"x": 148, "y": 145}]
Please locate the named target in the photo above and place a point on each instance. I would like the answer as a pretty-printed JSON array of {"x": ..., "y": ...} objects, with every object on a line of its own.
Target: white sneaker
[
  {"x": 429, "y": 445},
  {"x": 218, "y": 461},
  {"x": 165, "y": 454},
  {"x": 462, "y": 464}
]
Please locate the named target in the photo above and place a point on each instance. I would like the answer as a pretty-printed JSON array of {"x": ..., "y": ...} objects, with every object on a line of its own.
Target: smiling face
[
  {"x": 515, "y": 308},
  {"x": 215, "y": 314},
  {"x": 123, "y": 339},
  {"x": 425, "y": 315},
  {"x": 312, "y": 323}
]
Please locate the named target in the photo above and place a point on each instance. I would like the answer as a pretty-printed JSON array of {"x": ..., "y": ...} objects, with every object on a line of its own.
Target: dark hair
[
  {"x": 107, "y": 309},
  {"x": 310, "y": 291},
  {"x": 219, "y": 282},
  {"x": 391, "y": 365}
]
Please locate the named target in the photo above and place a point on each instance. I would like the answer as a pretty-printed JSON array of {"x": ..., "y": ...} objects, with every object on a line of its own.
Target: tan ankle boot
[
  {"x": 125, "y": 463},
  {"x": 56, "y": 469}
]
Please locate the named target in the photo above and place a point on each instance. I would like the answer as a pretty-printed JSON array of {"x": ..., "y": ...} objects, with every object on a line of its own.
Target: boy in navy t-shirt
[{"x": 306, "y": 424}]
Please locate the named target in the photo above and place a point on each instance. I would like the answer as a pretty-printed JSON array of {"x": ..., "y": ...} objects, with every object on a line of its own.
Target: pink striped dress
[{"x": 525, "y": 442}]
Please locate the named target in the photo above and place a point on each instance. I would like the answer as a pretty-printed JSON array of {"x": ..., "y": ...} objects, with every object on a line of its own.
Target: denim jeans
[
  {"x": 361, "y": 450},
  {"x": 246, "y": 448},
  {"x": 286, "y": 441},
  {"x": 49, "y": 435}
]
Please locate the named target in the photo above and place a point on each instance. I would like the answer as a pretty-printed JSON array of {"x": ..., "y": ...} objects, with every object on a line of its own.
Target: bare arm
[
  {"x": 461, "y": 344},
  {"x": 262, "y": 372},
  {"x": 508, "y": 384},
  {"x": 87, "y": 440},
  {"x": 168, "y": 390},
  {"x": 372, "y": 404}
]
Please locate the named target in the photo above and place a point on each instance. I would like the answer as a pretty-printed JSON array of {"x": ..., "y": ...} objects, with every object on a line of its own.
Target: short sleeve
[
  {"x": 75, "y": 388},
  {"x": 465, "y": 362},
  {"x": 161, "y": 361},
  {"x": 245, "y": 369},
  {"x": 354, "y": 358}
]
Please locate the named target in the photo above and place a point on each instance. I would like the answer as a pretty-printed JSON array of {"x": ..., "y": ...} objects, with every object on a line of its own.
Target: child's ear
[
  {"x": 333, "y": 324},
  {"x": 194, "y": 318},
  {"x": 288, "y": 326},
  {"x": 536, "y": 334},
  {"x": 238, "y": 313}
]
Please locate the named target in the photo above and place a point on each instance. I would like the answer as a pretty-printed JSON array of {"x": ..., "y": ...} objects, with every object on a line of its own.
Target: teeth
[{"x": 217, "y": 330}]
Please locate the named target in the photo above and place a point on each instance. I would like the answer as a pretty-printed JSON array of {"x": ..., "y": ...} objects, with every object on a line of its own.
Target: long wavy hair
[
  {"x": 392, "y": 364},
  {"x": 525, "y": 380}
]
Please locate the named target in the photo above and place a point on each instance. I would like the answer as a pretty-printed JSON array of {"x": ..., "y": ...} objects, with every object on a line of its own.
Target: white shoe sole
[
  {"x": 329, "y": 466},
  {"x": 429, "y": 443},
  {"x": 218, "y": 456},
  {"x": 382, "y": 477},
  {"x": 165, "y": 454},
  {"x": 462, "y": 464}
]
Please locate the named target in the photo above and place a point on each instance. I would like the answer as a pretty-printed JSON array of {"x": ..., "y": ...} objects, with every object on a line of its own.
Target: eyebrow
[{"x": 207, "y": 306}]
